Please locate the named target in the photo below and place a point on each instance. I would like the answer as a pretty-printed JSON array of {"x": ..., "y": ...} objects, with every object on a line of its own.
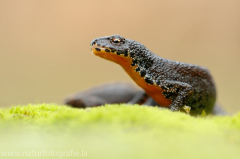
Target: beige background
[{"x": 45, "y": 45}]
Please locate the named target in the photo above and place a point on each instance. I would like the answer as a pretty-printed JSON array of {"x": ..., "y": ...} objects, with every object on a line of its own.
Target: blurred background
[{"x": 45, "y": 45}]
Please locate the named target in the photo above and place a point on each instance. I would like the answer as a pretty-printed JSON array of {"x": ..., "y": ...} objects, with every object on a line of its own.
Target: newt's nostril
[{"x": 93, "y": 42}]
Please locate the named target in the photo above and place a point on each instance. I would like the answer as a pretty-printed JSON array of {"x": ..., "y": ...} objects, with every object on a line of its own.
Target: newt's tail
[{"x": 218, "y": 110}]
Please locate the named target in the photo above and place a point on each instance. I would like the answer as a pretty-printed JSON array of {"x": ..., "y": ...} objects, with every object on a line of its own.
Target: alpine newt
[{"x": 171, "y": 84}]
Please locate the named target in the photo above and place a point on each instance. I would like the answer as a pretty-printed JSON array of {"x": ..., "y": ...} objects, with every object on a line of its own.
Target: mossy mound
[{"x": 117, "y": 132}]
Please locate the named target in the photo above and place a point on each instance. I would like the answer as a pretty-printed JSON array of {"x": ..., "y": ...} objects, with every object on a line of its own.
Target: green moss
[{"x": 119, "y": 131}]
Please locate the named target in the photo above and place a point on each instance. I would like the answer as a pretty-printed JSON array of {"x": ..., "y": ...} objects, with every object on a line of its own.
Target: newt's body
[{"x": 170, "y": 83}]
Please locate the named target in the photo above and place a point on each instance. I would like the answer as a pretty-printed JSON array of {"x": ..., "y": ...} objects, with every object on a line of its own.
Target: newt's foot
[
  {"x": 173, "y": 108},
  {"x": 187, "y": 109}
]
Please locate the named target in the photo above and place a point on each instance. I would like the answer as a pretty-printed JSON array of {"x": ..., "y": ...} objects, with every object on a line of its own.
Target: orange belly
[{"x": 152, "y": 90}]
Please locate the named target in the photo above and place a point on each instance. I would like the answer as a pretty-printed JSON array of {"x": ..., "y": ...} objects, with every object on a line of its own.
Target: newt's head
[
  {"x": 113, "y": 48},
  {"x": 126, "y": 52}
]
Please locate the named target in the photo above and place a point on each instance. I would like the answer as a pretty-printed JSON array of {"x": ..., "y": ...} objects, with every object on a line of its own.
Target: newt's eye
[{"x": 116, "y": 40}]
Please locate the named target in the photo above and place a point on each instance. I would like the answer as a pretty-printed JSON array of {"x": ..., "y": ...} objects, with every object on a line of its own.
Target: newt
[{"x": 172, "y": 84}]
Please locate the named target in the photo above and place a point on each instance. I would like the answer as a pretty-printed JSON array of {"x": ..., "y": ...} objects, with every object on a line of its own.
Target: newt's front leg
[{"x": 178, "y": 92}]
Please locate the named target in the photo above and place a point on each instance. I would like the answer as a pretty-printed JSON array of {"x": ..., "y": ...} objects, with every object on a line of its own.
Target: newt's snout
[{"x": 93, "y": 42}]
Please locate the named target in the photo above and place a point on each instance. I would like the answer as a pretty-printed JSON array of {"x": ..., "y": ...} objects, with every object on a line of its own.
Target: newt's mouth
[
  {"x": 111, "y": 54},
  {"x": 97, "y": 49},
  {"x": 100, "y": 50}
]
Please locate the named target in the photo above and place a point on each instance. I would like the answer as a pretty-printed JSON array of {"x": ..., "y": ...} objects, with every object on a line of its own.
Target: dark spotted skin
[{"x": 182, "y": 83}]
